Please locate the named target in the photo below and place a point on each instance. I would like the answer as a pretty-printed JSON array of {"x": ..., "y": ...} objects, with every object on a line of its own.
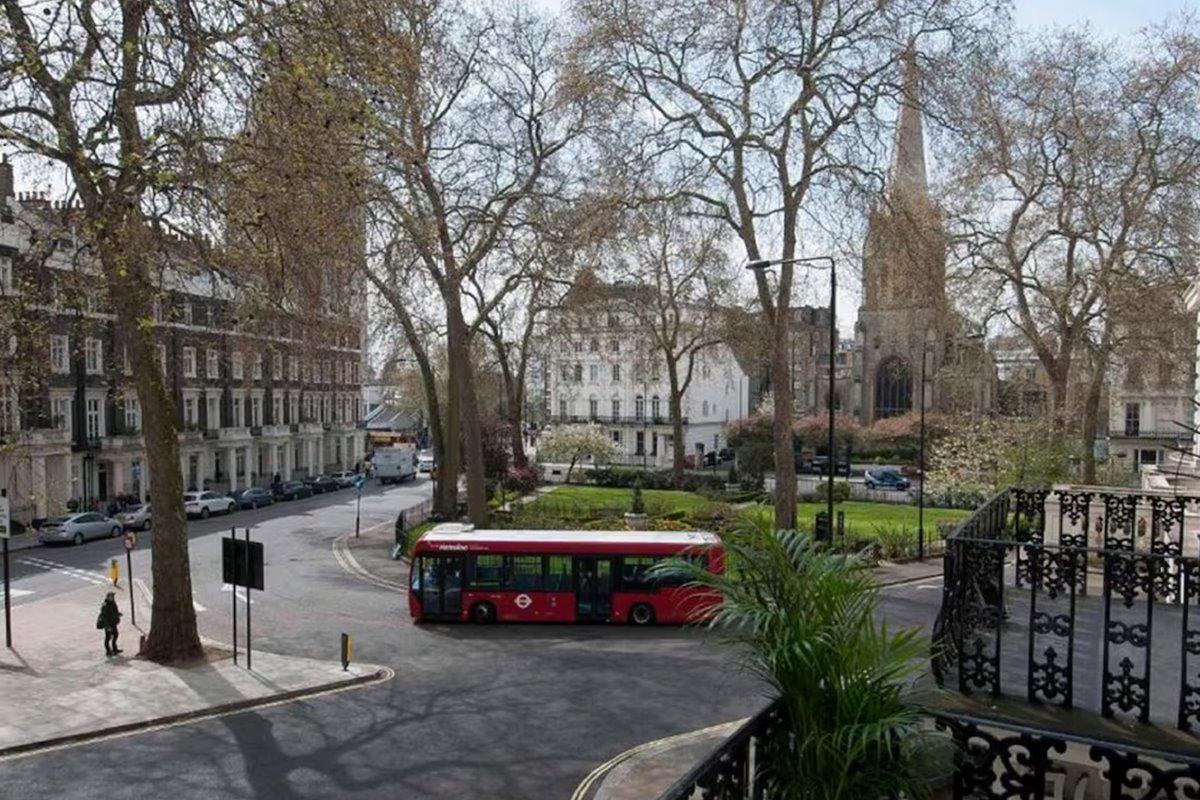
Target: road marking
[
  {"x": 241, "y": 594},
  {"x": 20, "y": 592},
  {"x": 347, "y": 561},
  {"x": 197, "y": 607},
  {"x": 64, "y": 569}
]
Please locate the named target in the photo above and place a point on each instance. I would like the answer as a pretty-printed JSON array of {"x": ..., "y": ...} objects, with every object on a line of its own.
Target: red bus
[{"x": 459, "y": 573}]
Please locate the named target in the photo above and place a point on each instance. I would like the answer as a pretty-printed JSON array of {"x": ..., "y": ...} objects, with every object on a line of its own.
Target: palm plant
[{"x": 804, "y": 618}]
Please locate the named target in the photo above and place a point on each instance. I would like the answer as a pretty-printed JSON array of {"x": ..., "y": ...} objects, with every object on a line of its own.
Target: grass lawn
[
  {"x": 862, "y": 517},
  {"x": 581, "y": 501}
]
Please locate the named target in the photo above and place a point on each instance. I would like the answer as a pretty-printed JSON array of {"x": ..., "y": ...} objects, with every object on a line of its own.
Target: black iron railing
[
  {"x": 993, "y": 759},
  {"x": 1077, "y": 599}
]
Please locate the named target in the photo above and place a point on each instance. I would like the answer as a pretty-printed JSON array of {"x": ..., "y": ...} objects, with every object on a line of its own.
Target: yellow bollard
[{"x": 114, "y": 571}]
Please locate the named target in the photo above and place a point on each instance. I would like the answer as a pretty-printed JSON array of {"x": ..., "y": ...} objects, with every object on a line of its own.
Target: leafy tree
[{"x": 575, "y": 443}]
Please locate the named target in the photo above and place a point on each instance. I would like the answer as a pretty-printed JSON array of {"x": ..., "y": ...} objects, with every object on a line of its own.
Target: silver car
[
  {"x": 78, "y": 528},
  {"x": 136, "y": 518}
]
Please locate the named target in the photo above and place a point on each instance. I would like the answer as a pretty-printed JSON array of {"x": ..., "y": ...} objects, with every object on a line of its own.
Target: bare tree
[
  {"x": 754, "y": 109},
  {"x": 117, "y": 93},
  {"x": 1070, "y": 158}
]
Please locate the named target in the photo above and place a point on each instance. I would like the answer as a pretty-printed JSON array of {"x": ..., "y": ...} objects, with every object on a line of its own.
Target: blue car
[{"x": 886, "y": 478}]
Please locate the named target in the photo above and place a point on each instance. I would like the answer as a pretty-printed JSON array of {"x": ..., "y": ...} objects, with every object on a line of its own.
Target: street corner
[{"x": 58, "y": 681}]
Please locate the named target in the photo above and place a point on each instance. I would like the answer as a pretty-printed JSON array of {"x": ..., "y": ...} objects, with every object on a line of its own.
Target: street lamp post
[
  {"x": 761, "y": 264},
  {"x": 921, "y": 459}
]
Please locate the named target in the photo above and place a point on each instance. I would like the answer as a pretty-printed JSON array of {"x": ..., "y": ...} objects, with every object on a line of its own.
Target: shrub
[
  {"x": 841, "y": 492},
  {"x": 664, "y": 524},
  {"x": 604, "y": 525},
  {"x": 637, "y": 505},
  {"x": 895, "y": 541},
  {"x": 522, "y": 480}
]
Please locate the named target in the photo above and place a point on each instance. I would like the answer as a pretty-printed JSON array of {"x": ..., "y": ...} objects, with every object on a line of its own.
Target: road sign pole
[
  {"x": 7, "y": 601},
  {"x": 358, "y": 511},
  {"x": 233, "y": 599},
  {"x": 249, "y": 566},
  {"x": 129, "y": 572}
]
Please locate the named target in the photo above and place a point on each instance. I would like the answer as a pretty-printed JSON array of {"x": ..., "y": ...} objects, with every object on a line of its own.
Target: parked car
[
  {"x": 321, "y": 484},
  {"x": 291, "y": 490},
  {"x": 202, "y": 504},
  {"x": 78, "y": 528},
  {"x": 345, "y": 479},
  {"x": 253, "y": 497},
  {"x": 820, "y": 466},
  {"x": 135, "y": 517},
  {"x": 886, "y": 478}
]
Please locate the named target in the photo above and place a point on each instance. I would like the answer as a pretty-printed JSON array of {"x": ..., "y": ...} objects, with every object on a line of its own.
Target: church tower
[{"x": 905, "y": 315}]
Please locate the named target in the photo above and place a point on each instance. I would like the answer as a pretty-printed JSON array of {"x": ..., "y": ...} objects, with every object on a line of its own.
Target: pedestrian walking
[{"x": 110, "y": 617}]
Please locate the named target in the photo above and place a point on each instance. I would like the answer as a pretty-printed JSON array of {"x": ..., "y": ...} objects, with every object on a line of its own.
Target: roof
[{"x": 457, "y": 533}]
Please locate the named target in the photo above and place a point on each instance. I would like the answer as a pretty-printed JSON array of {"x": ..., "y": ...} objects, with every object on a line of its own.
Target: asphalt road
[{"x": 474, "y": 712}]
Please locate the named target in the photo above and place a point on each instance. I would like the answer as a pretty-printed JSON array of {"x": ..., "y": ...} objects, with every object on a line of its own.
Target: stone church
[{"x": 906, "y": 316}]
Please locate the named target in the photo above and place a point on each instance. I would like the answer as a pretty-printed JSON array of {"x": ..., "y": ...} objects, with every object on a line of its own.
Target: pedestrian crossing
[{"x": 96, "y": 578}]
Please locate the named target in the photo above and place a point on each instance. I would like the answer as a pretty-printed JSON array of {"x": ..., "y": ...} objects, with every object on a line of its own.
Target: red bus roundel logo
[{"x": 523, "y": 601}]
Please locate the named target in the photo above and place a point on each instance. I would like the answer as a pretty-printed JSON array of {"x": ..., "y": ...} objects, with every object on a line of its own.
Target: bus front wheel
[
  {"x": 641, "y": 614},
  {"x": 483, "y": 613}
]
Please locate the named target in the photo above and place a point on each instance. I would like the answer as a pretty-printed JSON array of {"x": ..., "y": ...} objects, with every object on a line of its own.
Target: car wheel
[
  {"x": 232, "y": 508},
  {"x": 78, "y": 539},
  {"x": 204, "y": 512},
  {"x": 483, "y": 613},
  {"x": 146, "y": 525},
  {"x": 115, "y": 532},
  {"x": 641, "y": 614}
]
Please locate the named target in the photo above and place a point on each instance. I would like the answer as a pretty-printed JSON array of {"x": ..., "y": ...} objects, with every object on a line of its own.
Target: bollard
[
  {"x": 347, "y": 649},
  {"x": 114, "y": 571}
]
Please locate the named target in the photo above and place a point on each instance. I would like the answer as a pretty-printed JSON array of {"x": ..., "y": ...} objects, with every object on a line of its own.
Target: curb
[
  {"x": 380, "y": 675},
  {"x": 347, "y": 561}
]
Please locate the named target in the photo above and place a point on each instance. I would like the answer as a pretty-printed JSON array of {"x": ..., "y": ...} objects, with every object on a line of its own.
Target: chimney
[{"x": 6, "y": 179}]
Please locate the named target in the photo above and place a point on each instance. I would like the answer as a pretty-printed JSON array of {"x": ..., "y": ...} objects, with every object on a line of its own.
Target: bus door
[
  {"x": 441, "y": 586},
  {"x": 593, "y": 588}
]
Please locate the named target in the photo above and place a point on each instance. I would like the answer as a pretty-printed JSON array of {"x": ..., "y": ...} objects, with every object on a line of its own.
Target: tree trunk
[
  {"x": 459, "y": 350},
  {"x": 448, "y": 469},
  {"x": 515, "y": 421},
  {"x": 173, "y": 637},
  {"x": 675, "y": 403},
  {"x": 781, "y": 388},
  {"x": 438, "y": 435},
  {"x": 1091, "y": 414}
]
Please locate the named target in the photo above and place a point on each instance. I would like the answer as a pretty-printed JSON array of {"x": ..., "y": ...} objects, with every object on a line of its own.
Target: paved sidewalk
[
  {"x": 889, "y": 573},
  {"x": 57, "y": 686},
  {"x": 646, "y": 771}
]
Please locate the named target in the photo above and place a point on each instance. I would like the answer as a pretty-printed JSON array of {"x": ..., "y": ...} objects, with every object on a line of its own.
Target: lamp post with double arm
[{"x": 830, "y": 264}]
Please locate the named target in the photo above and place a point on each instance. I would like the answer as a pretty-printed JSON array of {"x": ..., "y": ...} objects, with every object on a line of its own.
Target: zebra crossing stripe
[{"x": 64, "y": 569}]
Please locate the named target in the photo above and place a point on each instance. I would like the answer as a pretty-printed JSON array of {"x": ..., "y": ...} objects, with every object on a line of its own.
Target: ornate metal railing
[
  {"x": 735, "y": 770},
  {"x": 1020, "y": 608},
  {"x": 992, "y": 759}
]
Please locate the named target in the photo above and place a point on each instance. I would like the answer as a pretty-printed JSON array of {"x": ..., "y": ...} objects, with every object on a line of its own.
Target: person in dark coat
[{"x": 110, "y": 617}]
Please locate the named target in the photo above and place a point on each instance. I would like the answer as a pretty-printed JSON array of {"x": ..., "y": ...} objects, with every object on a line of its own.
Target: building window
[
  {"x": 616, "y": 409},
  {"x": 214, "y": 415},
  {"x": 579, "y": 373},
  {"x": 893, "y": 388},
  {"x": 189, "y": 362},
  {"x": 256, "y": 411},
  {"x": 594, "y": 346},
  {"x": 133, "y": 415},
  {"x": 593, "y": 407},
  {"x": 593, "y": 372},
  {"x": 9, "y": 418},
  {"x": 566, "y": 373},
  {"x": 277, "y": 366},
  {"x": 639, "y": 440},
  {"x": 1148, "y": 456},
  {"x": 639, "y": 407},
  {"x": 258, "y": 364},
  {"x": 341, "y": 372},
  {"x": 614, "y": 346},
  {"x": 655, "y": 407},
  {"x": 235, "y": 366},
  {"x": 276, "y": 410},
  {"x": 95, "y": 417},
  {"x": 60, "y": 411},
  {"x": 293, "y": 368},
  {"x": 189, "y": 410},
  {"x": 578, "y": 346},
  {"x": 1133, "y": 419},
  {"x": 616, "y": 437},
  {"x": 294, "y": 409},
  {"x": 616, "y": 373},
  {"x": 157, "y": 311},
  {"x": 187, "y": 313},
  {"x": 60, "y": 353},
  {"x": 704, "y": 409},
  {"x": 562, "y": 408},
  {"x": 213, "y": 368},
  {"x": 239, "y": 412},
  {"x": 93, "y": 356},
  {"x": 5, "y": 275},
  {"x": 126, "y": 367}
]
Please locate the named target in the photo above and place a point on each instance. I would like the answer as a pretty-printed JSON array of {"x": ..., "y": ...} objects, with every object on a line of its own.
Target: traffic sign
[
  {"x": 242, "y": 563},
  {"x": 130, "y": 540}
]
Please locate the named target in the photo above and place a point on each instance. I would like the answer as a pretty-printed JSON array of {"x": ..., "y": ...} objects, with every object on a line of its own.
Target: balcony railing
[
  {"x": 233, "y": 433},
  {"x": 1166, "y": 434},
  {"x": 1058, "y": 596},
  {"x": 611, "y": 419},
  {"x": 994, "y": 759}
]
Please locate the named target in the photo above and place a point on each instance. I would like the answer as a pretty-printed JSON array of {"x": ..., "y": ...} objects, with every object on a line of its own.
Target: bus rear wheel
[
  {"x": 641, "y": 614},
  {"x": 483, "y": 613}
]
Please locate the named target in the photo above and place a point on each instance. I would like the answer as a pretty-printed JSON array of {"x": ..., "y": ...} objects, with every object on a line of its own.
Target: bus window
[
  {"x": 414, "y": 575},
  {"x": 487, "y": 572},
  {"x": 558, "y": 574},
  {"x": 524, "y": 573},
  {"x": 633, "y": 573}
]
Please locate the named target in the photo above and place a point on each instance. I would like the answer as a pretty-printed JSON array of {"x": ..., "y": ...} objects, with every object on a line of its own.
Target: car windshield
[{"x": 187, "y": 498}]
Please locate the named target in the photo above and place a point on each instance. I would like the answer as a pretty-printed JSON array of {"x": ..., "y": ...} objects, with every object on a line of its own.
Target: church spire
[{"x": 908, "y": 178}]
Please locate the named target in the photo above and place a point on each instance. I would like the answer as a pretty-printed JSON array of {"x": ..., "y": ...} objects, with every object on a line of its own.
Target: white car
[
  {"x": 425, "y": 461},
  {"x": 345, "y": 479},
  {"x": 201, "y": 504},
  {"x": 136, "y": 518}
]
